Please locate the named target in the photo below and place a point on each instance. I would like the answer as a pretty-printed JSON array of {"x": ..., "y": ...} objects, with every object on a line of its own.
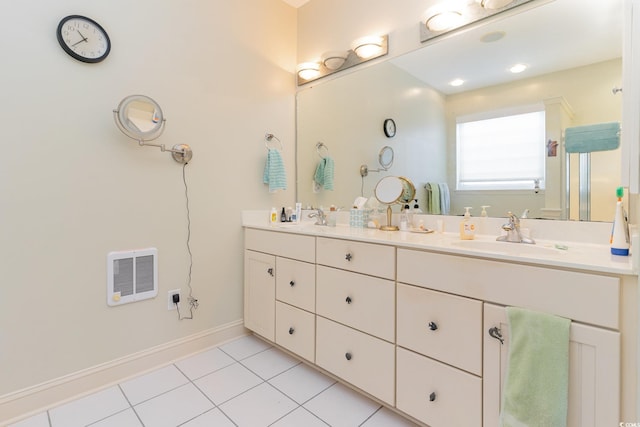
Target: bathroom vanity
[{"x": 418, "y": 321}]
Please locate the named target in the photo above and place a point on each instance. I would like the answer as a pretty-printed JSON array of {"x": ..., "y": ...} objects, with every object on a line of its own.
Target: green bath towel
[{"x": 536, "y": 387}]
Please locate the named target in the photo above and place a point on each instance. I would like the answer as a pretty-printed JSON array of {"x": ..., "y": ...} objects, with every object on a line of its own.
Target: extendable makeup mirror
[
  {"x": 391, "y": 190},
  {"x": 140, "y": 118}
]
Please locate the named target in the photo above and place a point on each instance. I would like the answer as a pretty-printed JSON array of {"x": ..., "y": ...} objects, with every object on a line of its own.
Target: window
[{"x": 501, "y": 153}]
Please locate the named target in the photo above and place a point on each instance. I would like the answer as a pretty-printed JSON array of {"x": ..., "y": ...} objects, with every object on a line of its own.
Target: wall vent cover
[{"x": 132, "y": 276}]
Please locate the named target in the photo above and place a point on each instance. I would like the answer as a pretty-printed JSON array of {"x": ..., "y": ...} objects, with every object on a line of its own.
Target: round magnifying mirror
[
  {"x": 140, "y": 118},
  {"x": 408, "y": 190},
  {"x": 389, "y": 190},
  {"x": 385, "y": 157},
  {"x": 393, "y": 189}
]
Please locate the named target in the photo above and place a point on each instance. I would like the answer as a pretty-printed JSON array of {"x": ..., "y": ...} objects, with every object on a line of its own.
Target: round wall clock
[
  {"x": 83, "y": 38},
  {"x": 389, "y": 127}
]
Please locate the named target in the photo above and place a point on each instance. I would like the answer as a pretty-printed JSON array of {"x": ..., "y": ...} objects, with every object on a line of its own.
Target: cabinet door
[
  {"x": 260, "y": 293},
  {"x": 594, "y": 372}
]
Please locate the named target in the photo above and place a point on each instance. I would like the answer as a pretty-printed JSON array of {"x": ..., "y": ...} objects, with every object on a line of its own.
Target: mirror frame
[{"x": 124, "y": 122}]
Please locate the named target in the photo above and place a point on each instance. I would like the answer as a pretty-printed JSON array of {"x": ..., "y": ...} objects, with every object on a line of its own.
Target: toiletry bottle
[
  {"x": 283, "y": 216},
  {"x": 482, "y": 227},
  {"x": 467, "y": 228},
  {"x": 273, "y": 216},
  {"x": 620, "y": 231},
  {"x": 414, "y": 211},
  {"x": 298, "y": 212},
  {"x": 404, "y": 218}
]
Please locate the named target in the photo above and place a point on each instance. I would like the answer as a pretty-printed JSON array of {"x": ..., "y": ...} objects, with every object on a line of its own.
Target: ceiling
[
  {"x": 558, "y": 35},
  {"x": 295, "y": 3}
]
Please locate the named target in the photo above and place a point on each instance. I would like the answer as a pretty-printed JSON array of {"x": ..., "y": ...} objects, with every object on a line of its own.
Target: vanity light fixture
[
  {"x": 448, "y": 15},
  {"x": 308, "y": 70},
  {"x": 444, "y": 21},
  {"x": 493, "y": 4},
  {"x": 362, "y": 50},
  {"x": 334, "y": 59},
  {"x": 367, "y": 47}
]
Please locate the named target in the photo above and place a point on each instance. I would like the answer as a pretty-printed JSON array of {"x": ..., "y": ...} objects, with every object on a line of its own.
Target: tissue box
[{"x": 358, "y": 218}]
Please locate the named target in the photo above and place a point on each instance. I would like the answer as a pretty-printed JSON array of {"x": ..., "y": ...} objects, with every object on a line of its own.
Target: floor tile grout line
[
  {"x": 370, "y": 416},
  {"x": 130, "y": 404}
]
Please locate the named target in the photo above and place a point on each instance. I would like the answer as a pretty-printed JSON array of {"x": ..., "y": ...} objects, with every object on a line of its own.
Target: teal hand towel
[
  {"x": 274, "y": 173},
  {"x": 318, "y": 177},
  {"x": 536, "y": 388},
  {"x": 328, "y": 173},
  {"x": 323, "y": 176},
  {"x": 599, "y": 137}
]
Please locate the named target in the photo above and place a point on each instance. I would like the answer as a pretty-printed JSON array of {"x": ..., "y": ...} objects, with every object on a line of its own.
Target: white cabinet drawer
[
  {"x": 295, "y": 246},
  {"x": 296, "y": 330},
  {"x": 367, "y": 258},
  {"x": 442, "y": 326},
  {"x": 437, "y": 394},
  {"x": 296, "y": 283},
  {"x": 362, "y": 360},
  {"x": 541, "y": 289},
  {"x": 362, "y": 302}
]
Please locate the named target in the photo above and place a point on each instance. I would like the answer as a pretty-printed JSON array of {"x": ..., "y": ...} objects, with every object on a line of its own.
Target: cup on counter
[{"x": 440, "y": 226}]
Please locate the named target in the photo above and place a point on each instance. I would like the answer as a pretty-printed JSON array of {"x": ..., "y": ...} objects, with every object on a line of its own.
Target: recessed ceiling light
[
  {"x": 518, "y": 68},
  {"x": 492, "y": 37},
  {"x": 456, "y": 82}
]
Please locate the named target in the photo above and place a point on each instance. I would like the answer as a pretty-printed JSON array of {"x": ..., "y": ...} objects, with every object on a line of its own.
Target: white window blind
[{"x": 503, "y": 153}]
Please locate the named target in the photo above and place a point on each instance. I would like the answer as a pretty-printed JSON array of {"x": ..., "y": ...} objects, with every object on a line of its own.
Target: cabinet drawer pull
[
  {"x": 292, "y": 283},
  {"x": 497, "y": 334},
  {"x": 348, "y": 356},
  {"x": 432, "y": 397},
  {"x": 270, "y": 271},
  {"x": 348, "y": 300},
  {"x": 348, "y": 257},
  {"x": 291, "y": 331},
  {"x": 433, "y": 326}
]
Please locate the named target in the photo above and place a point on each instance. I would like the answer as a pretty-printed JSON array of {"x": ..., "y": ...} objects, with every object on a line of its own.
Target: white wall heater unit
[{"x": 132, "y": 276}]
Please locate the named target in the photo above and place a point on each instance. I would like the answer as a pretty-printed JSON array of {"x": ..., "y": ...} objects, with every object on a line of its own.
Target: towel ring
[
  {"x": 268, "y": 137},
  {"x": 320, "y": 146}
]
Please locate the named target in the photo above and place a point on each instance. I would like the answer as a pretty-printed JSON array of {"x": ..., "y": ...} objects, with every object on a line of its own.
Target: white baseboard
[{"x": 32, "y": 400}]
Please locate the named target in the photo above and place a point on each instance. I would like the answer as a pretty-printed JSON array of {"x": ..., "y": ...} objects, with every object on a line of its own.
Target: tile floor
[{"x": 245, "y": 382}]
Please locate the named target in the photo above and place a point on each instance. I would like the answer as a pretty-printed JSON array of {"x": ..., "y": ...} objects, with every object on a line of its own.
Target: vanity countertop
[{"x": 575, "y": 255}]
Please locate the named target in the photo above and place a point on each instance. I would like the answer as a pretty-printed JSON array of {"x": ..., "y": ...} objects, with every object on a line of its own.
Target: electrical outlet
[{"x": 170, "y": 304}]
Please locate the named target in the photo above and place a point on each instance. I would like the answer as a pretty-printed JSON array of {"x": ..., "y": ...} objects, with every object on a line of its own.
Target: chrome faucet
[
  {"x": 513, "y": 231},
  {"x": 321, "y": 218}
]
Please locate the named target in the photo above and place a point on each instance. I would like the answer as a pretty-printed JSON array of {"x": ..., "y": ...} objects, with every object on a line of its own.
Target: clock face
[
  {"x": 83, "y": 39},
  {"x": 389, "y": 128}
]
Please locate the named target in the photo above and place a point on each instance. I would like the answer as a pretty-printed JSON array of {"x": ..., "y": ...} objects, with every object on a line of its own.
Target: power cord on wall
[{"x": 193, "y": 302}]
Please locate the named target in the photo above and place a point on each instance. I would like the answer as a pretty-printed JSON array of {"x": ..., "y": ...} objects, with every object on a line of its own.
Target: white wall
[{"x": 73, "y": 188}]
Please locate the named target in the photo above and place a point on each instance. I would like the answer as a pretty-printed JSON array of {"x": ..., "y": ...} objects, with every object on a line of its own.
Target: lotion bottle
[
  {"x": 467, "y": 228},
  {"x": 620, "y": 231},
  {"x": 273, "y": 216}
]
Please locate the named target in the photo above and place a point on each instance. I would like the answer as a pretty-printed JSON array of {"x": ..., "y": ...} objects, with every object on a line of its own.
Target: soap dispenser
[
  {"x": 467, "y": 228},
  {"x": 482, "y": 227}
]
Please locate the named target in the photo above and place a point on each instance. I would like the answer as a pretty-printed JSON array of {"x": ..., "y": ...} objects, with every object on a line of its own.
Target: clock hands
[{"x": 84, "y": 39}]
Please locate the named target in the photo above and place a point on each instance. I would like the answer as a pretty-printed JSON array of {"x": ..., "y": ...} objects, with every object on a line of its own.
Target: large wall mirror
[{"x": 574, "y": 52}]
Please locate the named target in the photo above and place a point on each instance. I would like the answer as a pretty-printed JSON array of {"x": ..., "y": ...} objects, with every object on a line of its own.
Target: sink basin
[{"x": 506, "y": 248}]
